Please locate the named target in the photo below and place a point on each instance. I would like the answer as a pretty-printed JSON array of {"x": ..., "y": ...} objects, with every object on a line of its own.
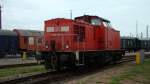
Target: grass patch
[
  {"x": 141, "y": 70},
  {"x": 21, "y": 70}
]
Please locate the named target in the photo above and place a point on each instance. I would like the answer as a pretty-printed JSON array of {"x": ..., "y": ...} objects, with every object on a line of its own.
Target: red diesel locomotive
[{"x": 87, "y": 40}]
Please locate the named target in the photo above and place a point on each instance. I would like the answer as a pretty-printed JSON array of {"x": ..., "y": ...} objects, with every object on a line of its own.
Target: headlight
[
  {"x": 67, "y": 46},
  {"x": 46, "y": 46}
]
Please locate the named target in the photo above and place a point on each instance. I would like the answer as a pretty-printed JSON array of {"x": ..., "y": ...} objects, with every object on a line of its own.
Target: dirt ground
[
  {"x": 137, "y": 80},
  {"x": 101, "y": 77}
]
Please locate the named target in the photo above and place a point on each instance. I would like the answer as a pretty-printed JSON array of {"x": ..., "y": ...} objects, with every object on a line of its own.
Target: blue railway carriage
[{"x": 8, "y": 42}]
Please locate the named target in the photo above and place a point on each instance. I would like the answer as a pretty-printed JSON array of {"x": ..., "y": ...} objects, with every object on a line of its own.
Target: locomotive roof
[
  {"x": 7, "y": 33},
  {"x": 92, "y": 16},
  {"x": 58, "y": 19},
  {"x": 127, "y": 37},
  {"x": 29, "y": 32}
]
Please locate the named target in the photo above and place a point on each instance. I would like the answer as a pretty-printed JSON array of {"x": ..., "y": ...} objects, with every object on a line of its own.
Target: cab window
[{"x": 95, "y": 22}]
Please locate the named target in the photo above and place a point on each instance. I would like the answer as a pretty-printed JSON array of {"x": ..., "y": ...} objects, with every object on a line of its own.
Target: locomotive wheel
[
  {"x": 38, "y": 56},
  {"x": 116, "y": 57},
  {"x": 58, "y": 66},
  {"x": 47, "y": 65},
  {"x": 108, "y": 58},
  {"x": 72, "y": 60},
  {"x": 47, "y": 61}
]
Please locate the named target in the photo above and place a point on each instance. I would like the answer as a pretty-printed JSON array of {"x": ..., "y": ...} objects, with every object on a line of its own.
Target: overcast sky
[{"x": 30, "y": 14}]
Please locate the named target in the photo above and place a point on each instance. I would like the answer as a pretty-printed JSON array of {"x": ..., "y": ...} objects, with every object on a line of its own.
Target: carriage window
[
  {"x": 95, "y": 22},
  {"x": 39, "y": 40},
  {"x": 145, "y": 43},
  {"x": 123, "y": 43},
  {"x": 79, "y": 32},
  {"x": 31, "y": 40}
]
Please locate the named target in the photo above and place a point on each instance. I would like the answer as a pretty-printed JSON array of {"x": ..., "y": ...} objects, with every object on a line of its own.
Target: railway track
[
  {"x": 18, "y": 65},
  {"x": 53, "y": 76}
]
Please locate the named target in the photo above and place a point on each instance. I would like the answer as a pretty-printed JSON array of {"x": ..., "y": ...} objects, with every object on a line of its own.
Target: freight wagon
[
  {"x": 132, "y": 44},
  {"x": 29, "y": 40},
  {"x": 19, "y": 41},
  {"x": 8, "y": 42}
]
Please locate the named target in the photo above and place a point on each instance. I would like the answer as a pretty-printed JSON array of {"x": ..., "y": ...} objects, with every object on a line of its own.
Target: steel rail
[{"x": 46, "y": 77}]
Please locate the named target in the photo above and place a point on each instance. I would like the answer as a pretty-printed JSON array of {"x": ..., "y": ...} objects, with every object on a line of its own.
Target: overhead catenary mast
[
  {"x": 70, "y": 14},
  {"x": 141, "y": 35},
  {"x": 137, "y": 29},
  {"x": 147, "y": 30}
]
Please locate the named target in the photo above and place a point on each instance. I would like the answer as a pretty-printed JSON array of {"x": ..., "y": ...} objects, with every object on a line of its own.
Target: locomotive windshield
[
  {"x": 95, "y": 21},
  {"x": 107, "y": 24}
]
